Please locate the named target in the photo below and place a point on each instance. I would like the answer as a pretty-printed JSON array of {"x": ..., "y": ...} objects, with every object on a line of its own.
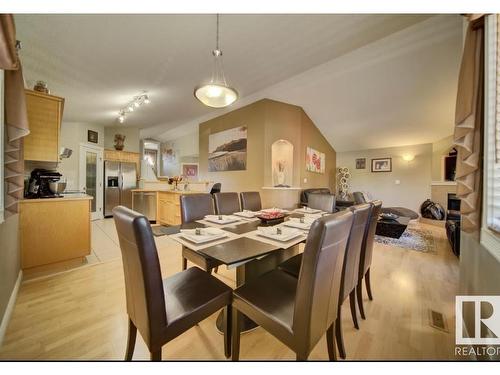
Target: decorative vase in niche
[
  {"x": 280, "y": 176},
  {"x": 280, "y": 173},
  {"x": 119, "y": 142}
]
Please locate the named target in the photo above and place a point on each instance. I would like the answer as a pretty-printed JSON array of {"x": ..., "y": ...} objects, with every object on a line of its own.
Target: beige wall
[
  {"x": 132, "y": 138},
  {"x": 186, "y": 150},
  {"x": 479, "y": 275},
  {"x": 310, "y": 136},
  {"x": 252, "y": 116},
  {"x": 9, "y": 260},
  {"x": 414, "y": 177},
  {"x": 439, "y": 149},
  {"x": 268, "y": 121},
  {"x": 72, "y": 135}
]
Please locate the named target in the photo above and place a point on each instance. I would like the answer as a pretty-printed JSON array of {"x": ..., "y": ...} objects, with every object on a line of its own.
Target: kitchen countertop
[
  {"x": 166, "y": 191},
  {"x": 64, "y": 198}
]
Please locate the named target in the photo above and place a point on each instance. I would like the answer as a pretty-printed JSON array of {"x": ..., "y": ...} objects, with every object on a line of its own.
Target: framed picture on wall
[
  {"x": 315, "y": 160},
  {"x": 361, "y": 163},
  {"x": 190, "y": 170},
  {"x": 227, "y": 150},
  {"x": 382, "y": 165},
  {"x": 92, "y": 136}
]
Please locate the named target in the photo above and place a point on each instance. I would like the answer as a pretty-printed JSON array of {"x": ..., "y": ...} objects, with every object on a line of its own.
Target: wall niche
[{"x": 282, "y": 163}]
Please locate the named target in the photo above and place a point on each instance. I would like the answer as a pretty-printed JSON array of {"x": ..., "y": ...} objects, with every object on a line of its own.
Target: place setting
[
  {"x": 279, "y": 235},
  {"x": 248, "y": 215},
  {"x": 304, "y": 223},
  {"x": 220, "y": 220},
  {"x": 307, "y": 210},
  {"x": 198, "y": 238}
]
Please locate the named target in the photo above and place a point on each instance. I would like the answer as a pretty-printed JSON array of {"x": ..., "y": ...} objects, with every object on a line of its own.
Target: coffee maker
[{"x": 38, "y": 186}]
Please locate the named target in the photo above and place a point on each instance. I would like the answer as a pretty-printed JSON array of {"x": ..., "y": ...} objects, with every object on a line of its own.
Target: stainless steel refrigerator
[{"x": 119, "y": 180}]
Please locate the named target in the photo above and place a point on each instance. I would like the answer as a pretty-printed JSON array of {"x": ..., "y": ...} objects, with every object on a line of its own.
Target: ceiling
[{"x": 99, "y": 62}]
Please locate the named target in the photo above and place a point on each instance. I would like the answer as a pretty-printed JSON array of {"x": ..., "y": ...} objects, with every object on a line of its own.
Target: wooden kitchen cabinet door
[{"x": 44, "y": 118}]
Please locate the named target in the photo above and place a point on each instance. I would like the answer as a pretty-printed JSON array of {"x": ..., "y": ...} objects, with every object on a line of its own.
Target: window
[{"x": 490, "y": 236}]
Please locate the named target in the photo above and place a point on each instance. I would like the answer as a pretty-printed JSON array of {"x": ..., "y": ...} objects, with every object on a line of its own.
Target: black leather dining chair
[
  {"x": 163, "y": 309},
  {"x": 365, "y": 261},
  {"x": 226, "y": 203},
  {"x": 215, "y": 188},
  {"x": 323, "y": 202},
  {"x": 358, "y": 197},
  {"x": 195, "y": 207},
  {"x": 298, "y": 312},
  {"x": 350, "y": 272},
  {"x": 250, "y": 201}
]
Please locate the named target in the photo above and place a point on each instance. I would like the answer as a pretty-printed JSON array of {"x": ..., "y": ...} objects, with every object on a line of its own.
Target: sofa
[
  {"x": 452, "y": 224},
  {"x": 360, "y": 198}
]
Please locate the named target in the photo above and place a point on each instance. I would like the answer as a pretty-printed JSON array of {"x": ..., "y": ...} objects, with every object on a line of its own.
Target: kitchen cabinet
[
  {"x": 124, "y": 156},
  {"x": 169, "y": 208},
  {"x": 54, "y": 230},
  {"x": 44, "y": 117}
]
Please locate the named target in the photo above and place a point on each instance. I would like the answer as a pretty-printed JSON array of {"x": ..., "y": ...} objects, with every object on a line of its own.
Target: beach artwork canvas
[{"x": 227, "y": 150}]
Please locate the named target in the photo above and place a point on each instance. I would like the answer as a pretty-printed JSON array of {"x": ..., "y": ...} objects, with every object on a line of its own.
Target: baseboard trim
[{"x": 10, "y": 307}]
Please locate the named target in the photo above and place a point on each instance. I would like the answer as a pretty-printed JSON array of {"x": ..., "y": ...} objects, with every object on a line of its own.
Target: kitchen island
[
  {"x": 165, "y": 205},
  {"x": 54, "y": 230}
]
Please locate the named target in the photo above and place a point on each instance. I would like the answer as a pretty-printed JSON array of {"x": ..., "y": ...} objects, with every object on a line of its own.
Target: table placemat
[
  {"x": 215, "y": 225},
  {"x": 191, "y": 245},
  {"x": 283, "y": 245}
]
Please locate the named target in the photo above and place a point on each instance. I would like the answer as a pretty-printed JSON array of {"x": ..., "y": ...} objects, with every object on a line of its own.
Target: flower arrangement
[{"x": 175, "y": 180}]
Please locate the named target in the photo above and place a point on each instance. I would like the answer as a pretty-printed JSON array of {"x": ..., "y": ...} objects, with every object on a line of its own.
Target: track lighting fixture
[{"x": 136, "y": 102}]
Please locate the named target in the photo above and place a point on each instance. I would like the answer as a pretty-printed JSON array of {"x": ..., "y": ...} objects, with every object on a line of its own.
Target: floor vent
[{"x": 437, "y": 320}]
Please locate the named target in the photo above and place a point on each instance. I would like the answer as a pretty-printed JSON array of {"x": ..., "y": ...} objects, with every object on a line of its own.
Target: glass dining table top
[{"x": 240, "y": 248}]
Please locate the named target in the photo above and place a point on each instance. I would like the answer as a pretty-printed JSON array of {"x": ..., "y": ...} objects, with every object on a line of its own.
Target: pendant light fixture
[{"x": 216, "y": 93}]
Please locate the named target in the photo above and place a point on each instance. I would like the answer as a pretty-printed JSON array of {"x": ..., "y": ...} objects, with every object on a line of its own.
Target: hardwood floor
[{"x": 80, "y": 314}]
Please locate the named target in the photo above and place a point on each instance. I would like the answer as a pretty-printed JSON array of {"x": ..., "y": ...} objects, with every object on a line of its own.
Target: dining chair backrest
[
  {"x": 358, "y": 197},
  {"x": 323, "y": 202},
  {"x": 143, "y": 281},
  {"x": 360, "y": 222},
  {"x": 250, "y": 200},
  {"x": 316, "y": 301},
  {"x": 215, "y": 188},
  {"x": 226, "y": 203},
  {"x": 367, "y": 248},
  {"x": 196, "y": 207}
]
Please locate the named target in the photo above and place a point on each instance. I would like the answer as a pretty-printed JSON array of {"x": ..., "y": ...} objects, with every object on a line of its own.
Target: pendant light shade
[{"x": 216, "y": 93}]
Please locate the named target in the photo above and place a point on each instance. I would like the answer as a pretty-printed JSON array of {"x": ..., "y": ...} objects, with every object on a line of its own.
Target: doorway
[{"x": 91, "y": 175}]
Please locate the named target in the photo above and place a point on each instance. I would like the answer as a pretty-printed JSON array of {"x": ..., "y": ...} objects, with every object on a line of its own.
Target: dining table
[{"x": 244, "y": 248}]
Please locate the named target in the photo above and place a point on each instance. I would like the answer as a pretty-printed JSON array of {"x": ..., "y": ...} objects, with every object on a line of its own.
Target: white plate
[
  {"x": 295, "y": 223},
  {"x": 225, "y": 219},
  {"x": 306, "y": 210},
  {"x": 247, "y": 214},
  {"x": 207, "y": 235},
  {"x": 287, "y": 234}
]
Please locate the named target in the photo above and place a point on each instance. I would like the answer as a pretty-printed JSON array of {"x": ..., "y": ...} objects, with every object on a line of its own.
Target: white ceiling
[{"x": 359, "y": 77}]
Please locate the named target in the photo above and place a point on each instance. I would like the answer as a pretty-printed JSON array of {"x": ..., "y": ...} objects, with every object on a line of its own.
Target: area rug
[{"x": 413, "y": 239}]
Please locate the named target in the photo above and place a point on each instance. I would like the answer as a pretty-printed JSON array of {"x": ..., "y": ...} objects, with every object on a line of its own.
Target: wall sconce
[{"x": 408, "y": 157}]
